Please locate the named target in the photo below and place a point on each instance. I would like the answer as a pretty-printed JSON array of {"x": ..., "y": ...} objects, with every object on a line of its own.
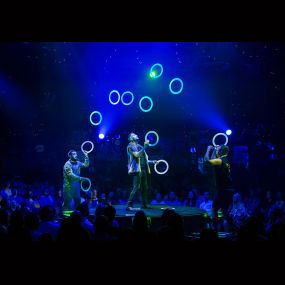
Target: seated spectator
[
  {"x": 252, "y": 202},
  {"x": 4, "y": 204},
  {"x": 71, "y": 230},
  {"x": 103, "y": 198},
  {"x": 100, "y": 210},
  {"x": 17, "y": 232},
  {"x": 31, "y": 204},
  {"x": 6, "y": 193},
  {"x": 237, "y": 213},
  {"x": 191, "y": 200},
  {"x": 267, "y": 203},
  {"x": 124, "y": 197},
  {"x": 140, "y": 227},
  {"x": 47, "y": 222},
  {"x": 58, "y": 201},
  {"x": 251, "y": 230},
  {"x": 172, "y": 226},
  {"x": 15, "y": 200},
  {"x": 111, "y": 199},
  {"x": 200, "y": 199},
  {"x": 110, "y": 212},
  {"x": 119, "y": 193},
  {"x": 279, "y": 201},
  {"x": 207, "y": 205},
  {"x": 32, "y": 224},
  {"x": 276, "y": 219},
  {"x": 173, "y": 199},
  {"x": 158, "y": 200},
  {"x": 93, "y": 199},
  {"x": 83, "y": 208},
  {"x": 46, "y": 199},
  {"x": 101, "y": 229}
]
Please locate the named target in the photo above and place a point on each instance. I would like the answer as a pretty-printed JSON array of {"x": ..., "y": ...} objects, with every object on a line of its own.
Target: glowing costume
[{"x": 71, "y": 182}]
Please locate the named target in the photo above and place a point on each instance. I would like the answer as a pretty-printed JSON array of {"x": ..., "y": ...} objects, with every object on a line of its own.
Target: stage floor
[
  {"x": 156, "y": 210},
  {"x": 193, "y": 218}
]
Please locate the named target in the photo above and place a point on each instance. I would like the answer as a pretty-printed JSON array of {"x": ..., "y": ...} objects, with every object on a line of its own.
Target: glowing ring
[
  {"x": 119, "y": 97},
  {"x": 86, "y": 150},
  {"x": 170, "y": 84},
  {"x": 167, "y": 166},
  {"x": 161, "y": 70},
  {"x": 151, "y": 104},
  {"x": 83, "y": 189},
  {"x": 157, "y": 137},
  {"x": 100, "y": 120},
  {"x": 220, "y": 134},
  {"x": 127, "y": 92}
]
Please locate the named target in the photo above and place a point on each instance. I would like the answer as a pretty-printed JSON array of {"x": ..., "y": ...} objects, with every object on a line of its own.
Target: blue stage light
[
  {"x": 229, "y": 132},
  {"x": 101, "y": 136}
]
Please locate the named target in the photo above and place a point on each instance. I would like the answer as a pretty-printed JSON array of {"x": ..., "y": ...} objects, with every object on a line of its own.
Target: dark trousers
[
  {"x": 68, "y": 196},
  {"x": 140, "y": 182},
  {"x": 222, "y": 199}
]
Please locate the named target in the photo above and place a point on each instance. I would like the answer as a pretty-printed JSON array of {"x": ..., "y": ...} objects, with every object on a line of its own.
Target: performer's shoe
[{"x": 129, "y": 208}]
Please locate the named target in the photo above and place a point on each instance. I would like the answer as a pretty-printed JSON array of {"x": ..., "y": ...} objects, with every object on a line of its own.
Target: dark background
[{"x": 49, "y": 89}]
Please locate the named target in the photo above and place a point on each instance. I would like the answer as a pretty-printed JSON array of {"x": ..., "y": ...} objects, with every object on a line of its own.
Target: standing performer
[
  {"x": 222, "y": 177},
  {"x": 138, "y": 168},
  {"x": 72, "y": 179}
]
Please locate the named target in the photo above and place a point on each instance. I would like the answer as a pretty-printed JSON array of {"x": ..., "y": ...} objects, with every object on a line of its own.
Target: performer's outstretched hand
[
  {"x": 146, "y": 143},
  {"x": 85, "y": 152}
]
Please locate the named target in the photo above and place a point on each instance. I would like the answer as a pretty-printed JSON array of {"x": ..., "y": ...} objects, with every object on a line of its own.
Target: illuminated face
[
  {"x": 134, "y": 137},
  {"x": 73, "y": 155}
]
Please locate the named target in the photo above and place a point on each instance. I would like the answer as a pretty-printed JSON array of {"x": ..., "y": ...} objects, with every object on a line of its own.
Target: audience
[{"x": 32, "y": 213}]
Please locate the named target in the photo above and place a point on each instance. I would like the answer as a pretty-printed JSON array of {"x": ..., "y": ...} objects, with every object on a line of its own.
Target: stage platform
[{"x": 194, "y": 218}]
